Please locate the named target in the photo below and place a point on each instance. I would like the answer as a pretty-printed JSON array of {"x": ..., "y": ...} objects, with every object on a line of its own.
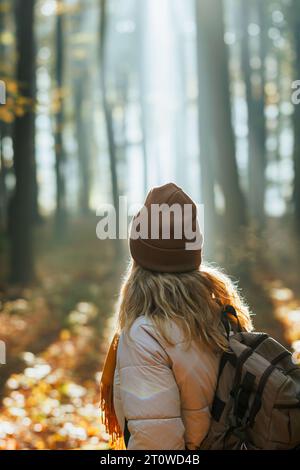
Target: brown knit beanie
[{"x": 165, "y": 234}]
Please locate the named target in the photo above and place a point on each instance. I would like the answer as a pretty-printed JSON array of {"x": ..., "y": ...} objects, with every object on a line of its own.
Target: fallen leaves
[
  {"x": 287, "y": 310},
  {"x": 47, "y": 406}
]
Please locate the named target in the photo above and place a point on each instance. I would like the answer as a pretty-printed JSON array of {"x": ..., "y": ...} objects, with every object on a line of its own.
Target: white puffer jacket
[{"x": 165, "y": 392}]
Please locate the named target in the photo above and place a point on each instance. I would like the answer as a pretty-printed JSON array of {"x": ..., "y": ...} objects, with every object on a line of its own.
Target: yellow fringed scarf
[{"x": 108, "y": 415}]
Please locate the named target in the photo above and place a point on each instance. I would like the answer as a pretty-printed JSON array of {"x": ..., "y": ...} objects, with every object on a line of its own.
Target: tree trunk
[
  {"x": 36, "y": 215},
  {"x": 207, "y": 150},
  {"x": 60, "y": 157},
  {"x": 3, "y": 192},
  {"x": 261, "y": 102},
  {"x": 20, "y": 211},
  {"x": 106, "y": 106},
  {"x": 296, "y": 119},
  {"x": 141, "y": 86},
  {"x": 215, "y": 73},
  {"x": 256, "y": 119},
  {"x": 83, "y": 146},
  {"x": 180, "y": 125}
]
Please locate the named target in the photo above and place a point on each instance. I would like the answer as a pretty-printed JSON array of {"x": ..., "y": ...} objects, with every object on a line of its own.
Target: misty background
[{"x": 107, "y": 98}]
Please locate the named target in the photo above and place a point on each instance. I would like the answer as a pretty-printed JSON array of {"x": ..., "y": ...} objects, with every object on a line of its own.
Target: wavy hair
[{"x": 193, "y": 300}]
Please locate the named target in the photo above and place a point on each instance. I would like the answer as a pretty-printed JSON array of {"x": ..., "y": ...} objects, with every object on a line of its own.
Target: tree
[
  {"x": 60, "y": 156},
  {"x": 180, "y": 125},
  {"x": 296, "y": 118},
  {"x": 255, "y": 98},
  {"x": 141, "y": 86},
  {"x": 261, "y": 95},
  {"x": 207, "y": 150},
  {"x": 217, "y": 132},
  {"x": 7, "y": 111},
  {"x": 106, "y": 105},
  {"x": 3, "y": 192},
  {"x": 84, "y": 157},
  {"x": 21, "y": 204},
  {"x": 83, "y": 86}
]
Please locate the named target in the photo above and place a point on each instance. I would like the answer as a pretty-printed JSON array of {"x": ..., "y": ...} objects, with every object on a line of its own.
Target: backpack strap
[
  {"x": 243, "y": 388},
  {"x": 262, "y": 383},
  {"x": 242, "y": 398},
  {"x": 245, "y": 355},
  {"x": 239, "y": 423},
  {"x": 218, "y": 405}
]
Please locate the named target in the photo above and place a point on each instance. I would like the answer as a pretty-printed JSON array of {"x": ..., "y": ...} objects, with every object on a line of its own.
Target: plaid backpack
[{"x": 257, "y": 398}]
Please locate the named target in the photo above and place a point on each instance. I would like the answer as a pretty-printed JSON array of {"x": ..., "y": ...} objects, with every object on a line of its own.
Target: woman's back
[
  {"x": 165, "y": 391},
  {"x": 162, "y": 376}
]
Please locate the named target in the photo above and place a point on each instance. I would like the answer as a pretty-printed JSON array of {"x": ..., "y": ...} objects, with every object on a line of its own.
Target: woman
[{"x": 160, "y": 373}]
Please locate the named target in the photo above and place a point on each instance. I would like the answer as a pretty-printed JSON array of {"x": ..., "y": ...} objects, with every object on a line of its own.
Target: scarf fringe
[
  {"x": 109, "y": 420},
  {"x": 108, "y": 415}
]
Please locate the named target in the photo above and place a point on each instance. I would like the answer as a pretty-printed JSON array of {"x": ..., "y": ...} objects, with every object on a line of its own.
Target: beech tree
[{"x": 21, "y": 204}]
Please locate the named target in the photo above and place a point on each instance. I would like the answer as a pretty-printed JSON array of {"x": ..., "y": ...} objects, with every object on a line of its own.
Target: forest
[{"x": 107, "y": 98}]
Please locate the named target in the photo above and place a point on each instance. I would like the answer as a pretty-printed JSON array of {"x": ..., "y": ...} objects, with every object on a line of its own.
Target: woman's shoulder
[
  {"x": 141, "y": 345},
  {"x": 143, "y": 340},
  {"x": 141, "y": 329},
  {"x": 144, "y": 344},
  {"x": 141, "y": 322},
  {"x": 144, "y": 325}
]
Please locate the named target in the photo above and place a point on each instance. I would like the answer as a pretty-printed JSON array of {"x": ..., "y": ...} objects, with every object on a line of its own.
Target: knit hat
[{"x": 165, "y": 235}]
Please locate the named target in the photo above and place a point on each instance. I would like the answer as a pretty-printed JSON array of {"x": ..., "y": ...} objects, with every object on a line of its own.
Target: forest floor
[{"x": 57, "y": 333}]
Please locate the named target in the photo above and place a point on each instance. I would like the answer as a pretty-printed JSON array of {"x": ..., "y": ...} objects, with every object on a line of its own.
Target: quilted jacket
[{"x": 163, "y": 392}]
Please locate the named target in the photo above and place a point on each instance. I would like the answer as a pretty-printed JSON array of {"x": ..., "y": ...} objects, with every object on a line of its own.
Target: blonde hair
[{"x": 193, "y": 300}]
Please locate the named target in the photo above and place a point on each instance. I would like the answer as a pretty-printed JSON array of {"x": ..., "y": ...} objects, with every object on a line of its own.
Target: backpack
[{"x": 257, "y": 398}]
